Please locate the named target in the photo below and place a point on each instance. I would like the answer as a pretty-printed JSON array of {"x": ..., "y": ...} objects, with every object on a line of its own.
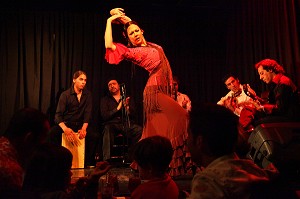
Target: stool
[
  {"x": 119, "y": 149},
  {"x": 77, "y": 151}
]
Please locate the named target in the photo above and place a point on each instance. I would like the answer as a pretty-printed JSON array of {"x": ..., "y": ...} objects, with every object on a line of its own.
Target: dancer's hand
[
  {"x": 123, "y": 19},
  {"x": 117, "y": 11},
  {"x": 114, "y": 18}
]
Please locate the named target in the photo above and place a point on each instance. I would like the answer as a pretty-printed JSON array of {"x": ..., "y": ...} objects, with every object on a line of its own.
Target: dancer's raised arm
[
  {"x": 118, "y": 16},
  {"x": 108, "y": 32}
]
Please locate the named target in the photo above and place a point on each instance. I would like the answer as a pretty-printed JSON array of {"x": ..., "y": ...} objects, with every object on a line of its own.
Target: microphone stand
[
  {"x": 125, "y": 117},
  {"x": 125, "y": 112}
]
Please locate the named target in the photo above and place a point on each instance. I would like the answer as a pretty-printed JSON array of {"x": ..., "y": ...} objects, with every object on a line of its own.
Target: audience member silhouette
[
  {"x": 49, "y": 175},
  {"x": 153, "y": 156},
  {"x": 27, "y": 129},
  {"x": 212, "y": 139}
]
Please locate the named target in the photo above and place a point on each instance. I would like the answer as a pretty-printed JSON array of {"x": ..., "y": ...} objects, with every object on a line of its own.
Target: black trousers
[{"x": 132, "y": 134}]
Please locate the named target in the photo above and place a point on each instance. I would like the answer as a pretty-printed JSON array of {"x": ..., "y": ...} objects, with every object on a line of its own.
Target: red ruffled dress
[{"x": 162, "y": 115}]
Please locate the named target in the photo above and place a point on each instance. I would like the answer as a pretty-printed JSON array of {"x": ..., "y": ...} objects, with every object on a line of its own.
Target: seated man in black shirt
[
  {"x": 117, "y": 115},
  {"x": 73, "y": 114}
]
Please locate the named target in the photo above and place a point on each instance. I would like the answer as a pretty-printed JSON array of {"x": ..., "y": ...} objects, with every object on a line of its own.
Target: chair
[
  {"x": 114, "y": 145},
  {"x": 119, "y": 149}
]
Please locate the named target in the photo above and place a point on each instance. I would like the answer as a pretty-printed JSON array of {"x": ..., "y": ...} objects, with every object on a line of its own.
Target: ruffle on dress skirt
[{"x": 181, "y": 162}]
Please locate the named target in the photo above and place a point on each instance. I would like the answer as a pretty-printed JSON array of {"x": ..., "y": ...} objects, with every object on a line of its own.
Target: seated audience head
[
  {"x": 49, "y": 169},
  {"x": 26, "y": 130},
  {"x": 213, "y": 133},
  {"x": 153, "y": 156},
  {"x": 231, "y": 82}
]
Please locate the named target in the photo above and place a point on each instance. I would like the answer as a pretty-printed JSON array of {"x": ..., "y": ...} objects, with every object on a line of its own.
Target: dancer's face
[{"x": 135, "y": 35}]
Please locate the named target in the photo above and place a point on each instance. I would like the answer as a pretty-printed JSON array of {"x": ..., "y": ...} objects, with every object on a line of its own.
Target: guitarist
[
  {"x": 283, "y": 104},
  {"x": 236, "y": 98}
]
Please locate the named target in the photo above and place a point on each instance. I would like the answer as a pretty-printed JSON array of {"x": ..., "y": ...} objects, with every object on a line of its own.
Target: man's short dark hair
[
  {"x": 27, "y": 120},
  {"x": 227, "y": 76},
  {"x": 48, "y": 169},
  {"x": 154, "y": 153},
  {"x": 217, "y": 125}
]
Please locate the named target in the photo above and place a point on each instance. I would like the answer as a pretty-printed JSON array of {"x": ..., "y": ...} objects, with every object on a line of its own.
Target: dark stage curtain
[
  {"x": 41, "y": 48},
  {"x": 264, "y": 29}
]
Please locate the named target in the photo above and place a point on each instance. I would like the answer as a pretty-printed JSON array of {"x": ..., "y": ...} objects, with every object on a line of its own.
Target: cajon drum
[{"x": 77, "y": 151}]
